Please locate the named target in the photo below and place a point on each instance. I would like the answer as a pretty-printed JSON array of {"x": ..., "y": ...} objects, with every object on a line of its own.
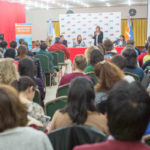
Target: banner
[
  {"x": 24, "y": 31},
  {"x": 85, "y": 23}
]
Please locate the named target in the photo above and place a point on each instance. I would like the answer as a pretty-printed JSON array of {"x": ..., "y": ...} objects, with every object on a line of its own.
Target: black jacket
[
  {"x": 69, "y": 137},
  {"x": 100, "y": 38},
  {"x": 65, "y": 43}
]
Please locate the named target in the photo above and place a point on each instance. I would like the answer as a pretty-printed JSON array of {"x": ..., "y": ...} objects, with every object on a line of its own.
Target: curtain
[
  {"x": 10, "y": 13},
  {"x": 56, "y": 28},
  {"x": 139, "y": 30}
]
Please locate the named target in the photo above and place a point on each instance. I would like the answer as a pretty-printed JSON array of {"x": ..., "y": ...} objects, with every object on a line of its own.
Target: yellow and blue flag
[{"x": 129, "y": 33}]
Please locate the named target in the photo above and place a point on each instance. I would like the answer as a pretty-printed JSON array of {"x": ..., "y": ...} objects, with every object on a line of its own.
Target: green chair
[
  {"x": 44, "y": 61},
  {"x": 61, "y": 55},
  {"x": 37, "y": 97},
  {"x": 56, "y": 61},
  {"x": 52, "y": 106},
  {"x": 136, "y": 77},
  {"x": 93, "y": 76},
  {"x": 63, "y": 90}
]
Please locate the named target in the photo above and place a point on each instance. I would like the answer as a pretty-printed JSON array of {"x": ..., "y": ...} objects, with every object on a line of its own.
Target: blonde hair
[
  {"x": 89, "y": 51},
  {"x": 8, "y": 71}
]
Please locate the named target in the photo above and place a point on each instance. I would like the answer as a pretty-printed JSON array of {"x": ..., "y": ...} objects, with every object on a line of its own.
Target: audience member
[
  {"x": 8, "y": 71},
  {"x": 13, "y": 44},
  {"x": 4, "y": 46},
  {"x": 131, "y": 58},
  {"x": 43, "y": 51},
  {"x": 63, "y": 41},
  {"x": 21, "y": 41},
  {"x": 128, "y": 113},
  {"x": 14, "y": 134},
  {"x": 121, "y": 62},
  {"x": 79, "y": 66},
  {"x": 29, "y": 51},
  {"x": 101, "y": 48},
  {"x": 108, "y": 75},
  {"x": 61, "y": 47},
  {"x": 147, "y": 57},
  {"x": 79, "y": 42},
  {"x": 37, "y": 47},
  {"x": 22, "y": 52},
  {"x": 26, "y": 88},
  {"x": 80, "y": 108},
  {"x": 110, "y": 51}
]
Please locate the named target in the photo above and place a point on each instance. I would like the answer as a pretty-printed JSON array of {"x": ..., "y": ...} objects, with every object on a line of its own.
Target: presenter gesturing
[{"x": 98, "y": 36}]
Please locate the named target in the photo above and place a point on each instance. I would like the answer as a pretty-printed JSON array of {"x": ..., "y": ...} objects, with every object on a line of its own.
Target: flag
[
  {"x": 51, "y": 31},
  {"x": 129, "y": 33}
]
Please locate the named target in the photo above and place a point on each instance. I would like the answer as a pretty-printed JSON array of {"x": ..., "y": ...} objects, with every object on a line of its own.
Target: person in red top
[
  {"x": 141, "y": 57},
  {"x": 128, "y": 113},
  {"x": 58, "y": 46}
]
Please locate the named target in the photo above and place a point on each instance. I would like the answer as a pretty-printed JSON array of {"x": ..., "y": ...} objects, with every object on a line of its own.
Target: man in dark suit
[{"x": 63, "y": 41}]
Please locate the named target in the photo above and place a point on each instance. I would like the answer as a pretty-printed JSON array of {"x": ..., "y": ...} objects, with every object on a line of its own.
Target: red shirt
[
  {"x": 59, "y": 46},
  {"x": 114, "y": 145},
  {"x": 141, "y": 57}
]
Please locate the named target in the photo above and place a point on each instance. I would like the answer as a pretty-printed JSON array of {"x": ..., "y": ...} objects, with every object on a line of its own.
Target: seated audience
[
  {"x": 8, "y": 71},
  {"x": 147, "y": 57},
  {"x": 78, "y": 68},
  {"x": 29, "y": 51},
  {"x": 80, "y": 108},
  {"x": 120, "y": 42},
  {"x": 101, "y": 48},
  {"x": 4, "y": 46},
  {"x": 79, "y": 42},
  {"x": 88, "y": 52},
  {"x": 14, "y": 134},
  {"x": 26, "y": 88},
  {"x": 121, "y": 62},
  {"x": 128, "y": 113},
  {"x": 61, "y": 47},
  {"x": 131, "y": 58},
  {"x": 26, "y": 68},
  {"x": 96, "y": 57},
  {"x": 43, "y": 51},
  {"x": 13, "y": 44},
  {"x": 37, "y": 47},
  {"x": 109, "y": 47},
  {"x": 10, "y": 53},
  {"x": 63, "y": 41},
  {"x": 108, "y": 75},
  {"x": 21, "y": 41},
  {"x": 22, "y": 52}
]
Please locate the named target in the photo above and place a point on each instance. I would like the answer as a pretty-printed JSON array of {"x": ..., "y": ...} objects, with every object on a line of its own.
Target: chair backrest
[
  {"x": 52, "y": 106},
  {"x": 136, "y": 77},
  {"x": 44, "y": 61},
  {"x": 93, "y": 76},
  {"x": 63, "y": 90},
  {"x": 55, "y": 58},
  {"x": 37, "y": 97},
  {"x": 69, "y": 137},
  {"x": 61, "y": 56}
]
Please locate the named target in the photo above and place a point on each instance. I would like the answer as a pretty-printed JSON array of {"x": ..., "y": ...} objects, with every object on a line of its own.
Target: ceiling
[{"x": 68, "y": 4}]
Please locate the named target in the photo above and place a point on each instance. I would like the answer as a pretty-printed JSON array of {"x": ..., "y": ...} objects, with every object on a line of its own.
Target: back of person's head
[
  {"x": 8, "y": 71},
  {"x": 148, "y": 50},
  {"x": 10, "y": 53},
  {"x": 12, "y": 112},
  {"x": 96, "y": 56},
  {"x": 146, "y": 45},
  {"x": 108, "y": 75},
  {"x": 22, "y": 51},
  {"x": 13, "y": 44},
  {"x": 37, "y": 43},
  {"x": 128, "y": 111},
  {"x": 21, "y": 41},
  {"x": 4, "y": 44},
  {"x": 101, "y": 48},
  {"x": 119, "y": 61},
  {"x": 25, "y": 44},
  {"x": 89, "y": 51},
  {"x": 130, "y": 42},
  {"x": 80, "y": 62},
  {"x": 57, "y": 40},
  {"x": 108, "y": 44},
  {"x": 131, "y": 57},
  {"x": 23, "y": 83},
  {"x": 81, "y": 97},
  {"x": 26, "y": 67},
  {"x": 43, "y": 46}
]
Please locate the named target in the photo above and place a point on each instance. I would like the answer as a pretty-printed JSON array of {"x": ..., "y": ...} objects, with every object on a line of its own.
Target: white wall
[{"x": 39, "y": 17}]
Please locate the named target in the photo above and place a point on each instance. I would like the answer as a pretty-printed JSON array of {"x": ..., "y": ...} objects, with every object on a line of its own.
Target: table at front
[{"x": 78, "y": 51}]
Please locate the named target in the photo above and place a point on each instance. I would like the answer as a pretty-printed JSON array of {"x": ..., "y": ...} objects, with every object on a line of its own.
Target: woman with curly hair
[
  {"x": 108, "y": 75},
  {"x": 8, "y": 71}
]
